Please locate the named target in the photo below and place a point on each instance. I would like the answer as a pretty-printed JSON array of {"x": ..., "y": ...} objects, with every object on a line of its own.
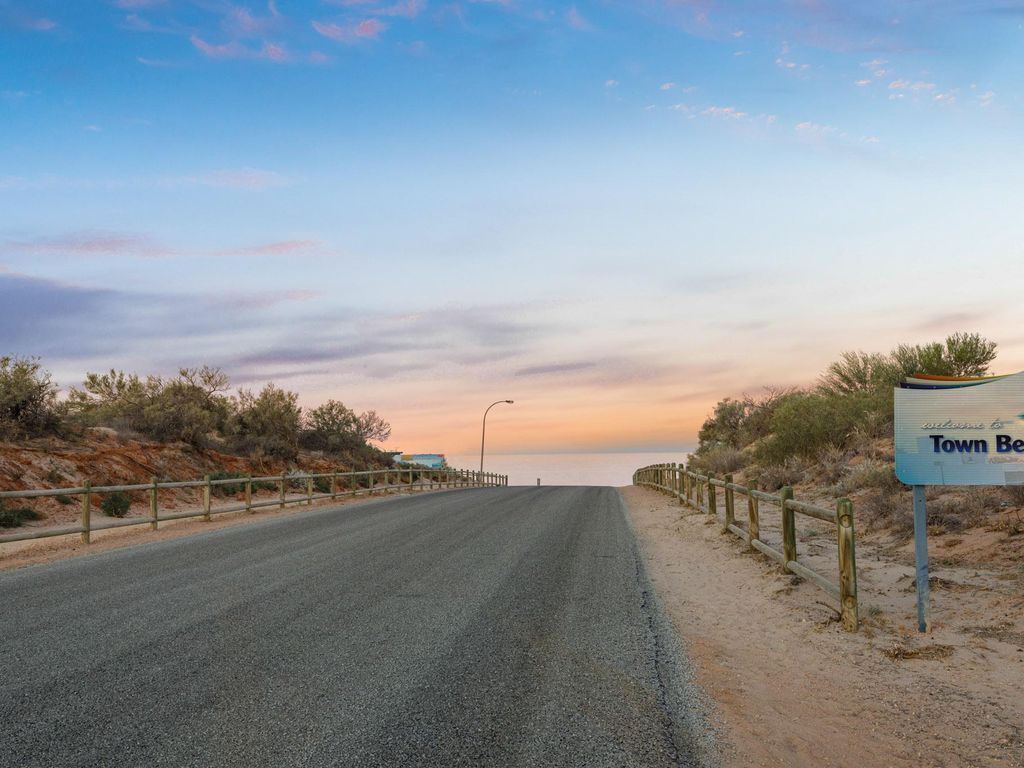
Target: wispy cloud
[
  {"x": 94, "y": 243},
  {"x": 367, "y": 29},
  {"x": 88, "y": 243},
  {"x": 277, "y": 248},
  {"x": 233, "y": 178},
  {"x": 236, "y": 50},
  {"x": 730, "y": 113},
  {"x": 15, "y": 17},
  {"x": 576, "y": 20},
  {"x": 554, "y": 368},
  {"x": 907, "y": 85}
]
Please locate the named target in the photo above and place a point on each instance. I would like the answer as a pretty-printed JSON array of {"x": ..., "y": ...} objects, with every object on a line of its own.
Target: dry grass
[{"x": 899, "y": 651}]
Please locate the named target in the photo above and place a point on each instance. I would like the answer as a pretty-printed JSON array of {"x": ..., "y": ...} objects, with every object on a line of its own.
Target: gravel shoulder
[{"x": 790, "y": 688}]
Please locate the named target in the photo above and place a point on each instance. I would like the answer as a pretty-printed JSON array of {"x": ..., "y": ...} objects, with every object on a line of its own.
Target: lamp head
[{"x": 510, "y": 401}]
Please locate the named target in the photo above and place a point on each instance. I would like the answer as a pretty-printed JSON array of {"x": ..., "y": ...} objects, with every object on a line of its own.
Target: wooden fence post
[
  {"x": 153, "y": 511},
  {"x": 788, "y": 527},
  {"x": 281, "y": 505},
  {"x": 86, "y": 512},
  {"x": 248, "y": 494},
  {"x": 730, "y": 508},
  {"x": 369, "y": 483},
  {"x": 207, "y": 498},
  {"x": 847, "y": 565},
  {"x": 334, "y": 485},
  {"x": 754, "y": 520},
  {"x": 712, "y": 497},
  {"x": 309, "y": 491}
]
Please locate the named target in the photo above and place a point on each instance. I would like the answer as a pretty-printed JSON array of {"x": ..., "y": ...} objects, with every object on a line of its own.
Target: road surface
[{"x": 485, "y": 627}]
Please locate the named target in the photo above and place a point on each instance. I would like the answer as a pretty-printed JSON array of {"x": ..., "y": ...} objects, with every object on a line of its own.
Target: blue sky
[{"x": 615, "y": 213}]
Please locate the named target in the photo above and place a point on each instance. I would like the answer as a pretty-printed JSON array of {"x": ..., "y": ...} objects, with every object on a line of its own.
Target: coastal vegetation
[
  {"x": 836, "y": 435},
  {"x": 194, "y": 407}
]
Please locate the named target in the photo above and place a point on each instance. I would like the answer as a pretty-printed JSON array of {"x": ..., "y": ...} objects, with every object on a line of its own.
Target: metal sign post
[{"x": 921, "y": 557}]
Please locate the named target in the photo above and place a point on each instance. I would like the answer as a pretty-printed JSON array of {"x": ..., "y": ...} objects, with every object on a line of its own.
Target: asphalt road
[{"x": 487, "y": 627}]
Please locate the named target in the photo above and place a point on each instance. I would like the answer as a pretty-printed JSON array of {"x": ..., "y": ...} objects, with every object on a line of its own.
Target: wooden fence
[
  {"x": 700, "y": 491},
  {"x": 354, "y": 484}
]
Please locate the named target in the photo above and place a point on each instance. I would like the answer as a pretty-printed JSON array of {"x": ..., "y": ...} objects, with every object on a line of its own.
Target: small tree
[
  {"x": 28, "y": 399},
  {"x": 267, "y": 424},
  {"x": 961, "y": 354},
  {"x": 334, "y": 427},
  {"x": 858, "y": 372},
  {"x": 370, "y": 426}
]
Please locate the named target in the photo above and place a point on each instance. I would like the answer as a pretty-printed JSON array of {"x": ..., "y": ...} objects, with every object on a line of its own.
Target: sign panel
[{"x": 960, "y": 431}]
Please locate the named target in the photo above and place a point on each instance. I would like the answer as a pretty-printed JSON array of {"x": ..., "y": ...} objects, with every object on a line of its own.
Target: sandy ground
[
  {"x": 793, "y": 689},
  {"x": 19, "y": 554}
]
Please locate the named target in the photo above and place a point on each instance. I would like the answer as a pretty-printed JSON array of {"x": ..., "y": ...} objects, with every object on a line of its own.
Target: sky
[{"x": 614, "y": 213}]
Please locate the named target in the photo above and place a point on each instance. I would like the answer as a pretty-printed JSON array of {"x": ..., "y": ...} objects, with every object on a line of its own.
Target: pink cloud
[
  {"x": 241, "y": 22},
  {"x": 270, "y": 300},
  {"x": 278, "y": 248},
  {"x": 409, "y": 9},
  {"x": 31, "y": 23},
  {"x": 235, "y": 50},
  {"x": 369, "y": 29},
  {"x": 575, "y": 20},
  {"x": 89, "y": 243}
]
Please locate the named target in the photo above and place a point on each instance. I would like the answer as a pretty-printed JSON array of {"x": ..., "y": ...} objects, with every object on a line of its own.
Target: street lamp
[{"x": 483, "y": 432}]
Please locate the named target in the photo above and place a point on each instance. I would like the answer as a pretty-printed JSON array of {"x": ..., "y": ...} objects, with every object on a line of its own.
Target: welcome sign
[{"x": 960, "y": 431}]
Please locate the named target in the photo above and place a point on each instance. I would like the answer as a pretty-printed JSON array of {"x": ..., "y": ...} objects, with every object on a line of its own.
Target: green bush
[
  {"x": 807, "y": 423},
  {"x": 267, "y": 424},
  {"x": 334, "y": 428},
  {"x": 228, "y": 489},
  {"x": 116, "y": 504},
  {"x": 322, "y": 484},
  {"x": 64, "y": 499},
  {"x": 28, "y": 399},
  {"x": 185, "y": 408},
  {"x": 849, "y": 408},
  {"x": 16, "y": 516}
]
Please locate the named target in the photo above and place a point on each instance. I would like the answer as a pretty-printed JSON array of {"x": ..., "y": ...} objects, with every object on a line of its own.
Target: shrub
[
  {"x": 857, "y": 372},
  {"x": 64, "y": 499},
  {"x": 322, "y": 484},
  {"x": 869, "y": 474},
  {"x": 736, "y": 423},
  {"x": 16, "y": 516},
  {"x": 1015, "y": 495},
  {"x": 807, "y": 423},
  {"x": 185, "y": 408},
  {"x": 228, "y": 489},
  {"x": 775, "y": 476},
  {"x": 266, "y": 424},
  {"x": 961, "y": 354},
  {"x": 116, "y": 504},
  {"x": 28, "y": 399},
  {"x": 882, "y": 509},
  {"x": 721, "y": 461},
  {"x": 334, "y": 427},
  {"x": 832, "y": 461}
]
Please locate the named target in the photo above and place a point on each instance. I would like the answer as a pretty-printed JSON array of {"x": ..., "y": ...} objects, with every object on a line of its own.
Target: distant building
[{"x": 429, "y": 460}]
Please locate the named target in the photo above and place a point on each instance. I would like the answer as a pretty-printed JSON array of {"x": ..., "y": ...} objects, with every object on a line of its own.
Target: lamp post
[{"x": 483, "y": 432}]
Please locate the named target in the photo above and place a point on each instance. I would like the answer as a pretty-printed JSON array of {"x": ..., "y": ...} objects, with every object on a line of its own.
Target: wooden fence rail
[
  {"x": 368, "y": 483},
  {"x": 701, "y": 492}
]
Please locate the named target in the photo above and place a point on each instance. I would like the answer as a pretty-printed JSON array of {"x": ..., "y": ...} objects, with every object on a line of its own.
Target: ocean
[{"x": 613, "y": 469}]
